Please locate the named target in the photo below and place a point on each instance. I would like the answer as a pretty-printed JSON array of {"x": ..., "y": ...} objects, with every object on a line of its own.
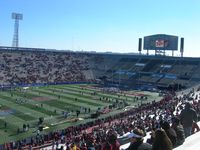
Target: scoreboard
[{"x": 160, "y": 42}]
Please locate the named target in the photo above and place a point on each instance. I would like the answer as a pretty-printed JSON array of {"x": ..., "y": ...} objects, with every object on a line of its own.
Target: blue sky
[{"x": 100, "y": 25}]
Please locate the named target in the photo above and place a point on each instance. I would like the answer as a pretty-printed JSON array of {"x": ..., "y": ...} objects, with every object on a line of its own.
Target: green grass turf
[{"x": 54, "y": 100}]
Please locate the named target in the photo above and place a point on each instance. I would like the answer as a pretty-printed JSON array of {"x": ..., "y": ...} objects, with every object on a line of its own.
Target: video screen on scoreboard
[{"x": 161, "y": 42}]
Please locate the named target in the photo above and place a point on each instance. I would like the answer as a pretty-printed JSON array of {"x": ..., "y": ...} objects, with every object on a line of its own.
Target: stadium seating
[{"x": 32, "y": 66}]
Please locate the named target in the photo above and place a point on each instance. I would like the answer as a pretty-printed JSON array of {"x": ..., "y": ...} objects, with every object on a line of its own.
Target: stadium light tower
[{"x": 16, "y": 17}]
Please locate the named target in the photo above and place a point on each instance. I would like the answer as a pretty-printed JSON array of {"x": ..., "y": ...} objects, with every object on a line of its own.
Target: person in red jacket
[
  {"x": 195, "y": 128},
  {"x": 114, "y": 142}
]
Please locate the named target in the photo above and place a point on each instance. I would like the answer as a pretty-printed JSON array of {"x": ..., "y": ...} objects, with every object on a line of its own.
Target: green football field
[{"x": 25, "y": 105}]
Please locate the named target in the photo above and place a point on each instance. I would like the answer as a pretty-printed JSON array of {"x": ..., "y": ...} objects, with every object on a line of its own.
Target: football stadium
[
  {"x": 51, "y": 96},
  {"x": 102, "y": 93}
]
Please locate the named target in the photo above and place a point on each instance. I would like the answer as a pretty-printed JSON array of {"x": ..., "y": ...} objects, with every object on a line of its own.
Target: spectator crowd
[{"x": 24, "y": 67}]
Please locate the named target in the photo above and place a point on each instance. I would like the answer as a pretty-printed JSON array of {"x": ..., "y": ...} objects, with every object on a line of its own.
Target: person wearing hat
[{"x": 137, "y": 141}]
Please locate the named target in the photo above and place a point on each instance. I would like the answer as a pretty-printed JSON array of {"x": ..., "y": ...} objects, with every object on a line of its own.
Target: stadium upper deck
[{"x": 25, "y": 66}]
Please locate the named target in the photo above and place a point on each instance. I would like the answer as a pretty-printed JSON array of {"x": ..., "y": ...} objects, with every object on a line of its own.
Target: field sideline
[{"x": 58, "y": 105}]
